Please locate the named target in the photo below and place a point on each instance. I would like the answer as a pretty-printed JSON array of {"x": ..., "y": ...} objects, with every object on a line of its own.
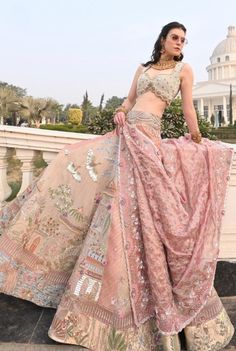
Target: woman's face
[{"x": 174, "y": 42}]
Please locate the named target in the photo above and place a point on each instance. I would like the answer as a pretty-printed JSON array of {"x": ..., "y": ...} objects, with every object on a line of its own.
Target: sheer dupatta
[{"x": 171, "y": 218}]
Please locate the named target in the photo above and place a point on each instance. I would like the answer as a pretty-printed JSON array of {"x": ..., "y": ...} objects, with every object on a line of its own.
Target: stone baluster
[
  {"x": 48, "y": 156},
  {"x": 5, "y": 190},
  {"x": 26, "y": 156}
]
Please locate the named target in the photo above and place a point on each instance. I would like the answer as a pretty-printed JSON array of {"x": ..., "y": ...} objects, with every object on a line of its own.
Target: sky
[{"x": 61, "y": 48}]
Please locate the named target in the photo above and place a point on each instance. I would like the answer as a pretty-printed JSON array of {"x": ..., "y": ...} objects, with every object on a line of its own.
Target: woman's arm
[
  {"x": 128, "y": 103},
  {"x": 187, "y": 99}
]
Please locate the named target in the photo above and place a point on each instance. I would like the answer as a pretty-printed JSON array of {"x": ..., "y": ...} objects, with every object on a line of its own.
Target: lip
[{"x": 177, "y": 49}]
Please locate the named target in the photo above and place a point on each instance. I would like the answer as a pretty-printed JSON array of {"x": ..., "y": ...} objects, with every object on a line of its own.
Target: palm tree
[
  {"x": 37, "y": 109},
  {"x": 8, "y": 103},
  {"x": 54, "y": 111}
]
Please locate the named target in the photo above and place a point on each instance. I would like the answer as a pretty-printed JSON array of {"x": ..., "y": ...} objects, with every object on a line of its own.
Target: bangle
[
  {"x": 121, "y": 109},
  {"x": 197, "y": 137}
]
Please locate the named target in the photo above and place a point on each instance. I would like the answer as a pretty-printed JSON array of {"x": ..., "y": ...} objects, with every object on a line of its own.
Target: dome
[{"x": 228, "y": 45}]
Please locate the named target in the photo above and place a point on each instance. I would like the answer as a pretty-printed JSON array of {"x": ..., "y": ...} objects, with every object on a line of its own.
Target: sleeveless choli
[
  {"x": 163, "y": 85},
  {"x": 121, "y": 235}
]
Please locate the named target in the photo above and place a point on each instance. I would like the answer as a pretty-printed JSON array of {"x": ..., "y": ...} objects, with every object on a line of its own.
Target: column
[
  {"x": 209, "y": 75},
  {"x": 26, "y": 156},
  {"x": 225, "y": 109},
  {"x": 209, "y": 109},
  {"x": 202, "y": 106},
  {"x": 223, "y": 72},
  {"x": 5, "y": 190}
]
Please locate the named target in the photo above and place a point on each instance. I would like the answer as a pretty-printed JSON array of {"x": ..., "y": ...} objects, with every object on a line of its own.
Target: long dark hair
[{"x": 156, "y": 54}]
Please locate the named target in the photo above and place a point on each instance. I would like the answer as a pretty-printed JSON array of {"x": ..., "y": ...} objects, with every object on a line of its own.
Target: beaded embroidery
[{"x": 165, "y": 86}]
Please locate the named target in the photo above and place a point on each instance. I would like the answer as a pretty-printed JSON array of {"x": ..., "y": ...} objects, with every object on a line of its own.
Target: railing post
[
  {"x": 5, "y": 190},
  {"x": 48, "y": 156},
  {"x": 26, "y": 156}
]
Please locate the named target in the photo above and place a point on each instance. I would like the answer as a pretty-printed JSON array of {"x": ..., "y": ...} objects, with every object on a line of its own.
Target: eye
[{"x": 175, "y": 37}]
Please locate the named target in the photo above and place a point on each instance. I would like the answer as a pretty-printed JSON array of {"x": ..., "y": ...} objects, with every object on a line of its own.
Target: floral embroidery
[
  {"x": 213, "y": 335},
  {"x": 116, "y": 342},
  {"x": 64, "y": 203},
  {"x": 62, "y": 195}
]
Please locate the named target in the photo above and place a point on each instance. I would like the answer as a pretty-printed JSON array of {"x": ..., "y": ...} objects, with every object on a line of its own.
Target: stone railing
[{"x": 27, "y": 142}]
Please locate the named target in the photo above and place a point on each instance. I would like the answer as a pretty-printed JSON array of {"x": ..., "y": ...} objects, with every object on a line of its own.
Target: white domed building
[{"x": 213, "y": 96}]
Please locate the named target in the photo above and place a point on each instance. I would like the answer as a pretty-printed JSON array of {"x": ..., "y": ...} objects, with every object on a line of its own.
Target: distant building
[{"x": 212, "y": 97}]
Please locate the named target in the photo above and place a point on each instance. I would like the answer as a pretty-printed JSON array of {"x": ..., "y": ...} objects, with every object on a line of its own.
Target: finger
[
  {"x": 122, "y": 120},
  {"x": 119, "y": 121},
  {"x": 117, "y": 131},
  {"x": 120, "y": 116}
]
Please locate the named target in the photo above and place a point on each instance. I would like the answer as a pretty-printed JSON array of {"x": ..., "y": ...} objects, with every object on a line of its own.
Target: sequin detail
[
  {"x": 72, "y": 169},
  {"x": 90, "y": 165}
]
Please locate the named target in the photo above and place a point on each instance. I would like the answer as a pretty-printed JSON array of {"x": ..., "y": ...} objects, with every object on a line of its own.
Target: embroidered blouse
[{"x": 164, "y": 85}]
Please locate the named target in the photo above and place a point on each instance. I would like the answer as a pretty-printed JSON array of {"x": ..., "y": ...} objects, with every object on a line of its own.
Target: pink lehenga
[{"x": 121, "y": 235}]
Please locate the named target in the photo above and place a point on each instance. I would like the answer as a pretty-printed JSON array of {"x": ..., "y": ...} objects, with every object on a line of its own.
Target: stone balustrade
[{"x": 28, "y": 142}]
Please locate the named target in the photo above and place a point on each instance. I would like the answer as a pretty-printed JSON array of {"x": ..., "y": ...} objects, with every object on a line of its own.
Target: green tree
[
  {"x": 20, "y": 92},
  {"x": 113, "y": 102},
  {"x": 101, "y": 103},
  {"x": 68, "y": 106},
  {"x": 102, "y": 122},
  {"x": 64, "y": 113},
  {"x": 173, "y": 123},
  {"x": 89, "y": 111}
]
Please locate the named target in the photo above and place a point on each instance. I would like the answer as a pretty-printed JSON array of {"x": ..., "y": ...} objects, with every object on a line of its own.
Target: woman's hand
[
  {"x": 196, "y": 137},
  {"x": 119, "y": 120}
]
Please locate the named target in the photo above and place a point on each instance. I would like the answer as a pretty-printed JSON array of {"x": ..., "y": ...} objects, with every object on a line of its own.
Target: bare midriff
[{"x": 149, "y": 102}]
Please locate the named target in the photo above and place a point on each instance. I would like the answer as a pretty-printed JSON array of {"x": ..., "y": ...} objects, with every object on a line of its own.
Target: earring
[{"x": 162, "y": 50}]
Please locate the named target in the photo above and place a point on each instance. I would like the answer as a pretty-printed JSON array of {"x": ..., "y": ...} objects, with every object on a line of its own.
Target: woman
[{"x": 123, "y": 241}]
